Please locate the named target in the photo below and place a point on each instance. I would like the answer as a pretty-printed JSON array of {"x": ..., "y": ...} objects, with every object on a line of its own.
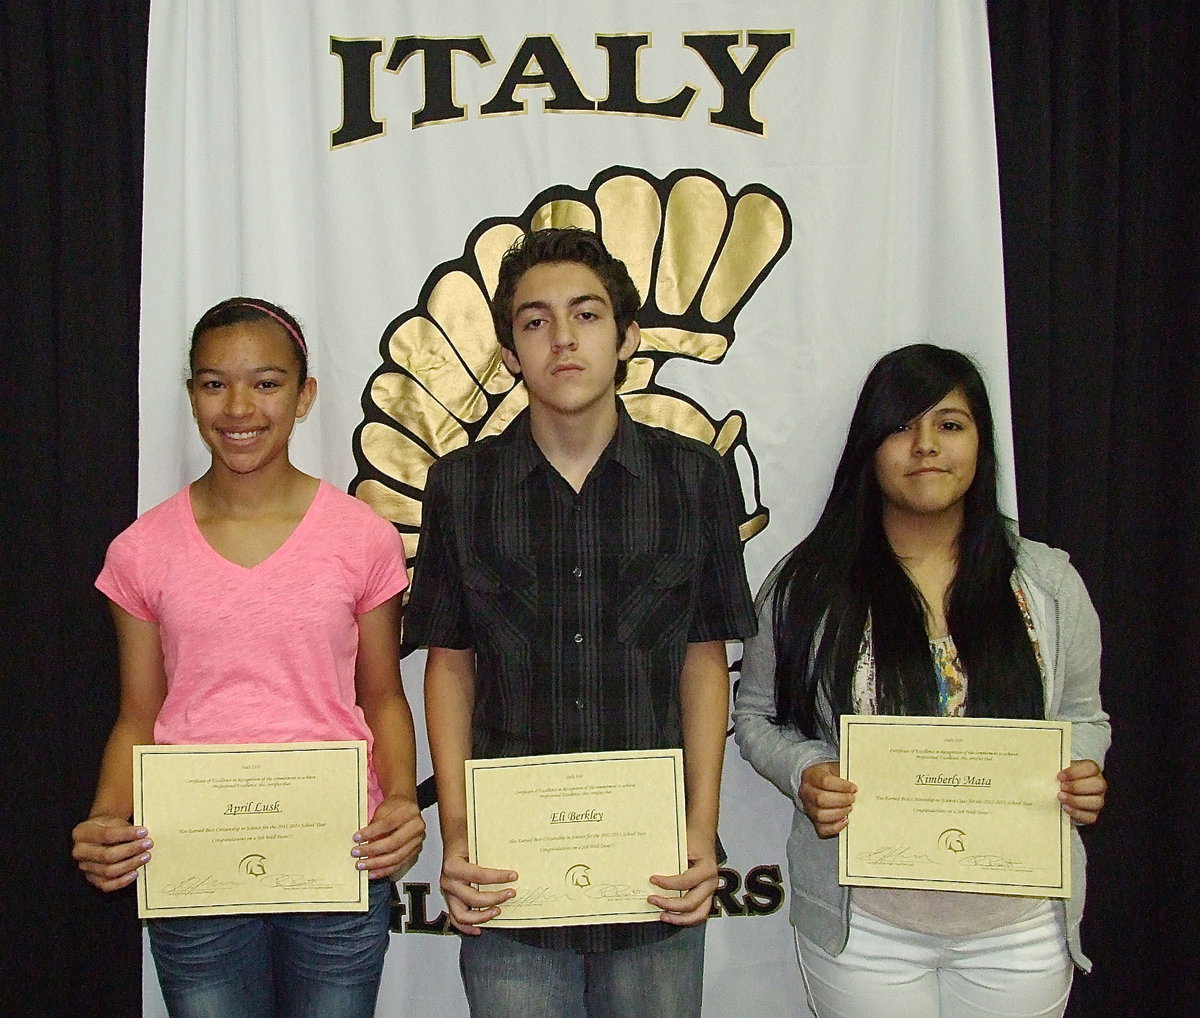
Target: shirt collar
[
  {"x": 524, "y": 455},
  {"x": 627, "y": 448}
]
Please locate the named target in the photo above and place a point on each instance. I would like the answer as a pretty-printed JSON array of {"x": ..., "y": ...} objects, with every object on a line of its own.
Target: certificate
[
  {"x": 258, "y": 828},
  {"x": 956, "y": 804},
  {"x": 583, "y": 831}
]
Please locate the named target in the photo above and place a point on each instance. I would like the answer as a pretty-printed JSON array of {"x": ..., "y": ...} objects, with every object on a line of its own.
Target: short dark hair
[
  {"x": 236, "y": 310},
  {"x": 565, "y": 244}
]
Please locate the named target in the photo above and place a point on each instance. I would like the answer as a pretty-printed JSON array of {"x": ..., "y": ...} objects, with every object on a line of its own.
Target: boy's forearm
[
  {"x": 449, "y": 704},
  {"x": 704, "y": 711}
]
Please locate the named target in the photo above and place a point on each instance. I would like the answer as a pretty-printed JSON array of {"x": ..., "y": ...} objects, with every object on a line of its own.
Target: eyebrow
[
  {"x": 943, "y": 411},
  {"x": 542, "y": 305},
  {"x": 257, "y": 371}
]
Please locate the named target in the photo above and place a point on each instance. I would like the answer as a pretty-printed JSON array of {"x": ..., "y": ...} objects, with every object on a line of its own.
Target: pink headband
[{"x": 292, "y": 331}]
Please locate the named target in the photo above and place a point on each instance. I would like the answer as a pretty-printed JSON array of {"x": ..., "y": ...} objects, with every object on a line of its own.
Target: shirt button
[
  {"x": 577, "y": 571},
  {"x": 579, "y": 637},
  {"x": 579, "y": 704}
]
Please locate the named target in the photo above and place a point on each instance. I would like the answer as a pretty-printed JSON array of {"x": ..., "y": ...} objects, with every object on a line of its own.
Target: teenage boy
[{"x": 579, "y": 576}]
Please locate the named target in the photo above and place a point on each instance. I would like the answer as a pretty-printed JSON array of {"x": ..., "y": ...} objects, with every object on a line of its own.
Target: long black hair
[{"x": 845, "y": 572}]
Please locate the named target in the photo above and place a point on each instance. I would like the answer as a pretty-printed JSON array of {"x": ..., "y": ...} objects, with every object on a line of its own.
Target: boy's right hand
[
  {"x": 470, "y": 907},
  {"x": 110, "y": 850}
]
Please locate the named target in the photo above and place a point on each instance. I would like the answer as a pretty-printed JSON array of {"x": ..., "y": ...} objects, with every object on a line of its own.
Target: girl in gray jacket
[{"x": 913, "y": 596}]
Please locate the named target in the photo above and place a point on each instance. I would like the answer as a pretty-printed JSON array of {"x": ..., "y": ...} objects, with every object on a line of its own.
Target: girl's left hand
[
  {"x": 392, "y": 839},
  {"x": 1081, "y": 791}
]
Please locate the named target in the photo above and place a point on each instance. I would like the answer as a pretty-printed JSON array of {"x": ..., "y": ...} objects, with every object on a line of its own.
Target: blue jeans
[
  {"x": 293, "y": 964},
  {"x": 505, "y": 978}
]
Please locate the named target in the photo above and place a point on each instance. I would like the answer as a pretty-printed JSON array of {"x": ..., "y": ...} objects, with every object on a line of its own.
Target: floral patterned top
[{"x": 951, "y": 679}]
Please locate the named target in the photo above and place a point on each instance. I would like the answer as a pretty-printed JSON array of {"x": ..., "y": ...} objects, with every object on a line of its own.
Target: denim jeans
[
  {"x": 505, "y": 978},
  {"x": 293, "y": 964}
]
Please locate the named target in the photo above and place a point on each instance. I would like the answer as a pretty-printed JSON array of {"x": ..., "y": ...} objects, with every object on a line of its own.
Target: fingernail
[
  {"x": 145, "y": 857},
  {"x": 356, "y": 852},
  {"x": 147, "y": 843},
  {"x": 358, "y": 837},
  {"x": 140, "y": 832},
  {"x": 360, "y": 865}
]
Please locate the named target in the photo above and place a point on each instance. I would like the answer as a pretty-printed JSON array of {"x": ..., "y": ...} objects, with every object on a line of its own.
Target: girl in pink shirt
[{"x": 259, "y": 605}]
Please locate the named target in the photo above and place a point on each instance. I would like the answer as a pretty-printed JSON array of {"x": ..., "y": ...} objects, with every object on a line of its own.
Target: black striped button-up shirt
[{"x": 579, "y": 605}]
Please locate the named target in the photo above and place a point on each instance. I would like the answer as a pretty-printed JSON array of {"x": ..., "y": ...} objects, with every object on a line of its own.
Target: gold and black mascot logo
[{"x": 697, "y": 255}]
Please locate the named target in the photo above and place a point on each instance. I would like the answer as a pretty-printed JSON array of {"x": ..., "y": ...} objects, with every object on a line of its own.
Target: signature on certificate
[
  {"x": 580, "y": 883},
  {"x": 894, "y": 855},
  {"x": 207, "y": 885}
]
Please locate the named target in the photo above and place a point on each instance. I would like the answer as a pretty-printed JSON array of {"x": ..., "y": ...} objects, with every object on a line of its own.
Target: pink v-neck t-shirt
[{"x": 264, "y": 654}]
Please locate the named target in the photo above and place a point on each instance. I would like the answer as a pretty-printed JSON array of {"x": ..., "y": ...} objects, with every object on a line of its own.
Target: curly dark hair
[{"x": 565, "y": 244}]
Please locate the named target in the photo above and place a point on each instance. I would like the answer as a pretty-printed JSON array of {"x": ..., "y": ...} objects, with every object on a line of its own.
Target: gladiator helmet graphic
[{"x": 697, "y": 255}]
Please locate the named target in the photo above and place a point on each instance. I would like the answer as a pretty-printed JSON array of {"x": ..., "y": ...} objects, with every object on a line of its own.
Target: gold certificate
[
  {"x": 956, "y": 804},
  {"x": 584, "y": 832},
  {"x": 252, "y": 828}
]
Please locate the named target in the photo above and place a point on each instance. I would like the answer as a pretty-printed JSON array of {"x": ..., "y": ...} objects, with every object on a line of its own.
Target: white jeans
[{"x": 1017, "y": 971}]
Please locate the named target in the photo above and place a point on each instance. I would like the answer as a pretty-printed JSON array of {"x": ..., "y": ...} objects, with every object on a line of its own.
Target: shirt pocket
[
  {"x": 654, "y": 595},
  {"x": 502, "y": 602}
]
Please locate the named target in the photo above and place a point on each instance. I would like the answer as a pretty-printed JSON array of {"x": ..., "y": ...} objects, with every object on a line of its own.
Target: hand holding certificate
[
  {"x": 257, "y": 828},
  {"x": 584, "y": 832},
  {"x": 956, "y": 804}
]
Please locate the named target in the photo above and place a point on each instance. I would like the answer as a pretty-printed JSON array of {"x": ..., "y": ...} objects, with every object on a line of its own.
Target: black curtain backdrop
[
  {"x": 1096, "y": 118},
  {"x": 72, "y": 94},
  {"x": 1096, "y": 109}
]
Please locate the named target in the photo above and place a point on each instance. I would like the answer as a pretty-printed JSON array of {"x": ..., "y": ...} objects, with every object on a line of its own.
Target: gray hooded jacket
[{"x": 1068, "y": 633}]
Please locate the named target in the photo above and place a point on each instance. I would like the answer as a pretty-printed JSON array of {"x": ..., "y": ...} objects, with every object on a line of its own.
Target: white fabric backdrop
[{"x": 876, "y": 138}]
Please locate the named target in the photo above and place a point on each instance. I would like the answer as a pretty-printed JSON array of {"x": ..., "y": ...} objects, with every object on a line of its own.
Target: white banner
[{"x": 796, "y": 186}]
